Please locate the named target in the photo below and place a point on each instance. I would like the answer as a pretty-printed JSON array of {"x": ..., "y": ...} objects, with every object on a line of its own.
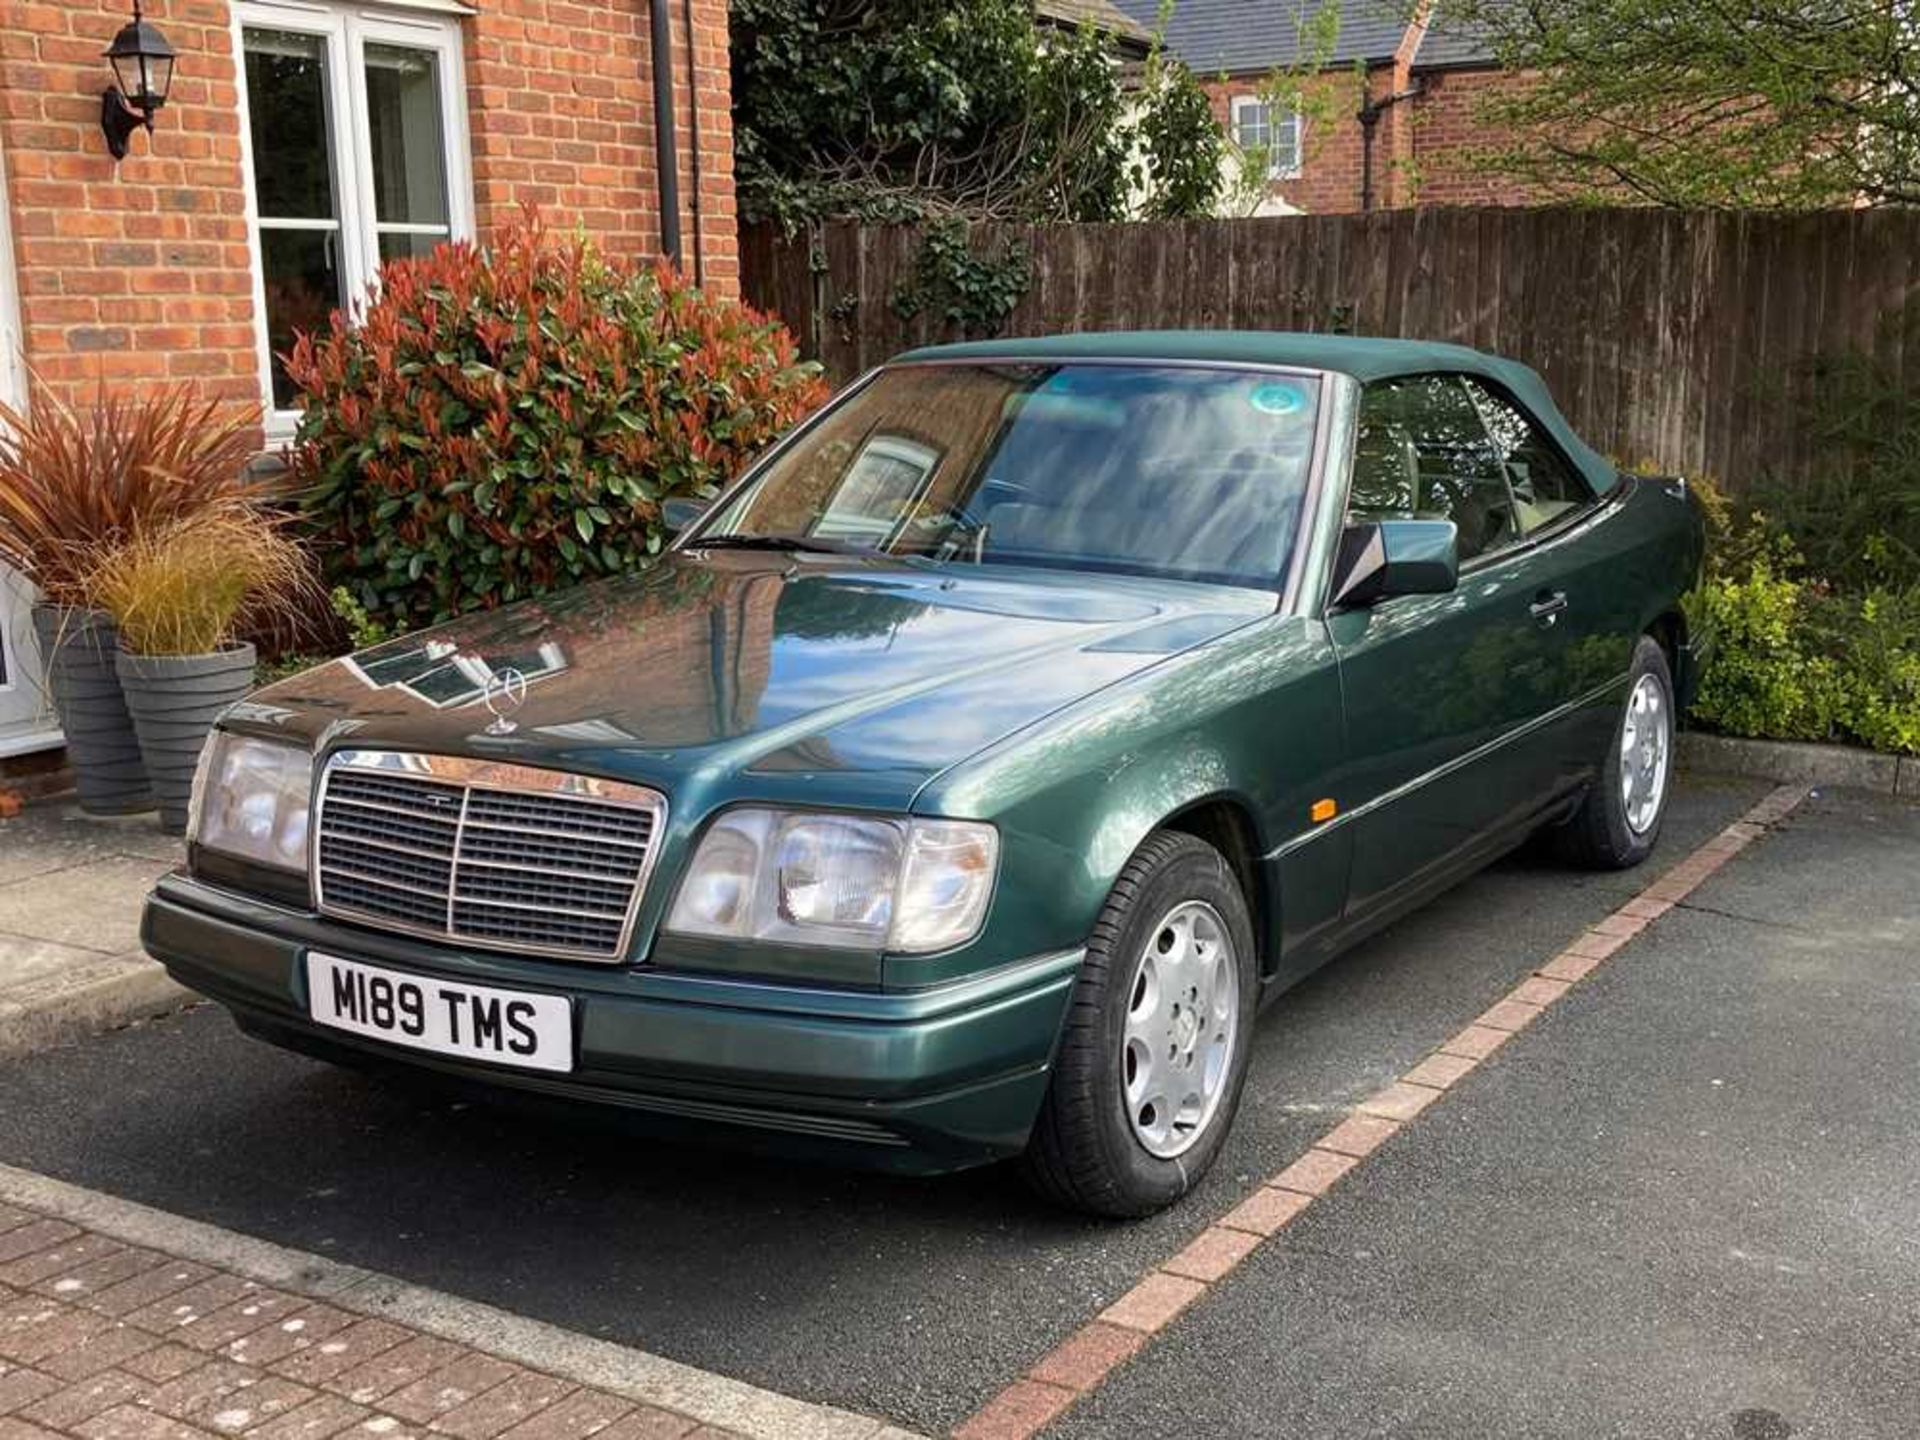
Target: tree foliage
[
  {"x": 1762, "y": 104},
  {"x": 1181, "y": 144},
  {"x": 912, "y": 109}
]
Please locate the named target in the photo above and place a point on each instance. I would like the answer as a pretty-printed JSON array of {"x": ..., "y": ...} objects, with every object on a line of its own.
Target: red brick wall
[
  {"x": 1329, "y": 179},
  {"x": 560, "y": 110},
  {"x": 712, "y": 88},
  {"x": 136, "y": 271},
  {"x": 1450, "y": 135},
  {"x": 1425, "y": 149},
  {"x": 139, "y": 272}
]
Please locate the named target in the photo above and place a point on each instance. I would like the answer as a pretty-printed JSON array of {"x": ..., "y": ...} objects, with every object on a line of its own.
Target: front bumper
[{"x": 924, "y": 1080}]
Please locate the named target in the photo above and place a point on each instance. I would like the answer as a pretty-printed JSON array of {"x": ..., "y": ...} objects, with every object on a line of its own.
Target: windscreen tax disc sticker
[{"x": 1278, "y": 397}]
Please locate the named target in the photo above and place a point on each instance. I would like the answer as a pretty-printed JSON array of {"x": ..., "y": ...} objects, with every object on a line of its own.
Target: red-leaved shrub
[{"x": 506, "y": 421}]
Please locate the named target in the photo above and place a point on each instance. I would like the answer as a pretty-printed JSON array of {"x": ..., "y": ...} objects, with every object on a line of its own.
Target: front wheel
[
  {"x": 1155, "y": 1046},
  {"x": 1618, "y": 822}
]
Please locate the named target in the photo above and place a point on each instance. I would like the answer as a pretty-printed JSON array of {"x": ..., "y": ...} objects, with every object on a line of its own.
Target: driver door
[{"x": 1439, "y": 690}]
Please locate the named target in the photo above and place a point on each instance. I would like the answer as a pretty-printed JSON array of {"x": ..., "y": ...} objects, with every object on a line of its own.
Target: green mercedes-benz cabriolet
[{"x": 964, "y": 780}]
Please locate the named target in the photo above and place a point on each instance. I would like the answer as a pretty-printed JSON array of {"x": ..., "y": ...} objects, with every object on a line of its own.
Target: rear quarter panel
[{"x": 1624, "y": 573}]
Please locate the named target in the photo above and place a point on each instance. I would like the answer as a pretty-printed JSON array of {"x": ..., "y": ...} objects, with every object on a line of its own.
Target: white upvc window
[
  {"x": 1259, "y": 129},
  {"x": 353, "y": 126}
]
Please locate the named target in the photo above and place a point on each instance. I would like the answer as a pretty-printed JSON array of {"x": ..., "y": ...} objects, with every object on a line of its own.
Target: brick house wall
[
  {"x": 142, "y": 271},
  {"x": 137, "y": 271},
  {"x": 1449, "y": 134},
  {"x": 1329, "y": 178},
  {"x": 560, "y": 110},
  {"x": 1426, "y": 148}
]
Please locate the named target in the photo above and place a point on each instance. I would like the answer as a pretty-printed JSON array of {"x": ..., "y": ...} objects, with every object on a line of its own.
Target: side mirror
[
  {"x": 1380, "y": 559},
  {"x": 680, "y": 512}
]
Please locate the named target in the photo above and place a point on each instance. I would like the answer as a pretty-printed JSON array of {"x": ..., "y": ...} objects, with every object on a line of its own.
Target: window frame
[
  {"x": 890, "y": 446},
  {"x": 346, "y": 30},
  {"x": 1291, "y": 121},
  {"x": 1563, "y": 526},
  {"x": 1548, "y": 441},
  {"x": 1479, "y": 560}
]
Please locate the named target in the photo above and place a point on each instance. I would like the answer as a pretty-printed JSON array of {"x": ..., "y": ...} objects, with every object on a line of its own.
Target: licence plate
[{"x": 475, "y": 1022}]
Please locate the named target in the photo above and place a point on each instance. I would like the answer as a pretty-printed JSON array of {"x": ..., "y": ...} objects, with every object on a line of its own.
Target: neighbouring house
[
  {"x": 1409, "y": 139},
  {"x": 302, "y": 142},
  {"x": 1130, "y": 39}
]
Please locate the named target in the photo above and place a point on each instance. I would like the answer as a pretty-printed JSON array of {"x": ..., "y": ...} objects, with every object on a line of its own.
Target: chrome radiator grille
[{"x": 503, "y": 856}]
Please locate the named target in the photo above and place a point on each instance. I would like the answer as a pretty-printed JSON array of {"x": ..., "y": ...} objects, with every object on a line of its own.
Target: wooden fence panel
[{"x": 1666, "y": 336}]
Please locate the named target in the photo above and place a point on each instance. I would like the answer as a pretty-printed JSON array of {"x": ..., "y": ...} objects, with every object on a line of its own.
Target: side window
[
  {"x": 1544, "y": 483},
  {"x": 1422, "y": 452}
]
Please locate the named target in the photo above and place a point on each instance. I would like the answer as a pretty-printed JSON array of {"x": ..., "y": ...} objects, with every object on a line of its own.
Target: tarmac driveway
[
  {"x": 1685, "y": 1202},
  {"x": 1589, "y": 1237}
]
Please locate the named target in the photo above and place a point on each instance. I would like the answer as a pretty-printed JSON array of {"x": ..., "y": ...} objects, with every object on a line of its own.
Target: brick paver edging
[
  {"x": 1087, "y": 1356},
  {"x": 118, "y": 1322}
]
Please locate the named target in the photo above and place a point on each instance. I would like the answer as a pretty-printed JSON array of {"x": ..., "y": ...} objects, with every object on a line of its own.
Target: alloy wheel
[
  {"x": 1646, "y": 746},
  {"x": 1183, "y": 1007}
]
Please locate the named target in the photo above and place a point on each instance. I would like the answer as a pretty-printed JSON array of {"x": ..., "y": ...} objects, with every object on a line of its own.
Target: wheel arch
[
  {"x": 1669, "y": 627},
  {"x": 1685, "y": 659},
  {"x": 1226, "y": 822}
]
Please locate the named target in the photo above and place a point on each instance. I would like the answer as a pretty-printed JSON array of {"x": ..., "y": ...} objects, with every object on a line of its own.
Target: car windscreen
[{"x": 1192, "y": 473}]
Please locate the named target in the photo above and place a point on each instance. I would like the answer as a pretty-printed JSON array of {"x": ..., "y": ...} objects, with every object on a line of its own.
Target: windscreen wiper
[{"x": 804, "y": 543}]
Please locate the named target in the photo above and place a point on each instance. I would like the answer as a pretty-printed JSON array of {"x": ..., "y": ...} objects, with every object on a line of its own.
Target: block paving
[{"x": 101, "y": 1340}]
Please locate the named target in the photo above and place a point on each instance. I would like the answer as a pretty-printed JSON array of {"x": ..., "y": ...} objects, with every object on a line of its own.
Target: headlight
[
  {"x": 250, "y": 799},
  {"x": 906, "y": 886}
]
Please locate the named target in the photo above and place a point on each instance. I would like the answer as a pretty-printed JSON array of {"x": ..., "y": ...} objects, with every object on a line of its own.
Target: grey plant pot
[
  {"x": 79, "y": 649},
  {"x": 174, "y": 700}
]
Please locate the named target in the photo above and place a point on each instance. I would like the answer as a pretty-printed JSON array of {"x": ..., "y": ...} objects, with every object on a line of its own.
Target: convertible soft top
[{"x": 1365, "y": 358}]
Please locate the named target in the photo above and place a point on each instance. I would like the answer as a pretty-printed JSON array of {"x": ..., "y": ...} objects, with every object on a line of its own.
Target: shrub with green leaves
[
  {"x": 1879, "y": 640},
  {"x": 505, "y": 422},
  {"x": 1761, "y": 681},
  {"x": 1795, "y": 660},
  {"x": 899, "y": 110},
  {"x": 1814, "y": 593}
]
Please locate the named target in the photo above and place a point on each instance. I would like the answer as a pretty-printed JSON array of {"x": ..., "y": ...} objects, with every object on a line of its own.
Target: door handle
[{"x": 1546, "y": 607}]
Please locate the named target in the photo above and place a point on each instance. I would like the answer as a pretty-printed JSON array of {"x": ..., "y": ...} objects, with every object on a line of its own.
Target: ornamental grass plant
[
  {"x": 74, "y": 483},
  {"x": 188, "y": 587},
  {"x": 180, "y": 594}
]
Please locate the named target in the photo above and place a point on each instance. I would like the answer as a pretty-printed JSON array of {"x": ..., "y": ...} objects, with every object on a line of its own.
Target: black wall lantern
[{"x": 142, "y": 62}]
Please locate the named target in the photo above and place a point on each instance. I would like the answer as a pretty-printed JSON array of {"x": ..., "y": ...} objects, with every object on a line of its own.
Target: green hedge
[
  {"x": 1814, "y": 593},
  {"x": 1796, "y": 660}
]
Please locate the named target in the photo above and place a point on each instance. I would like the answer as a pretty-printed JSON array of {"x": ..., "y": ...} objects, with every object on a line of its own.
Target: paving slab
[
  {"x": 60, "y": 835},
  {"x": 910, "y": 1299},
  {"x": 95, "y": 906},
  {"x": 1682, "y": 1203},
  {"x": 71, "y": 887}
]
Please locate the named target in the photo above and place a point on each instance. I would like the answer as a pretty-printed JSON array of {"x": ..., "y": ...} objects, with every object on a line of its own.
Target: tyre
[
  {"x": 1618, "y": 822},
  {"x": 1154, "y": 1049}
]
